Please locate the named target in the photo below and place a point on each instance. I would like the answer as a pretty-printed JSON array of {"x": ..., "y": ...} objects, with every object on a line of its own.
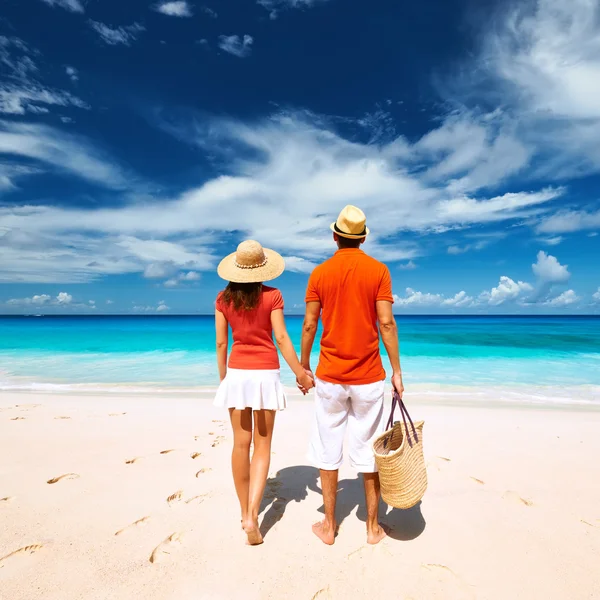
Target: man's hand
[
  {"x": 397, "y": 383},
  {"x": 303, "y": 388}
]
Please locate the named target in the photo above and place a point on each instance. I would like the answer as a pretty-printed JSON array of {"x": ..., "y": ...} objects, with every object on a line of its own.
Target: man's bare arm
[
  {"x": 389, "y": 335},
  {"x": 309, "y": 331}
]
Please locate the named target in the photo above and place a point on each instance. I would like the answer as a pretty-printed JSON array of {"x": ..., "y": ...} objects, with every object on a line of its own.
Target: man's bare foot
[
  {"x": 376, "y": 534},
  {"x": 324, "y": 532},
  {"x": 253, "y": 533}
]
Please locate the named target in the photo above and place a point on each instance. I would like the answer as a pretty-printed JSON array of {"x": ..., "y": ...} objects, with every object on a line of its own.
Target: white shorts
[
  {"x": 251, "y": 388},
  {"x": 358, "y": 406}
]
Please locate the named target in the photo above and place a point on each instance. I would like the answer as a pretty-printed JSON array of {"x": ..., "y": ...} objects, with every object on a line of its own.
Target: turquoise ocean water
[{"x": 540, "y": 359}]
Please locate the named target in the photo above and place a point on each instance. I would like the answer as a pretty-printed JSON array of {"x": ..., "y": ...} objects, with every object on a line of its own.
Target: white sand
[{"x": 512, "y": 509}]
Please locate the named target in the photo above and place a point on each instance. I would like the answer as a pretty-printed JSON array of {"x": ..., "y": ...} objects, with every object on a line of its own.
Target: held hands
[
  {"x": 397, "y": 383},
  {"x": 306, "y": 382}
]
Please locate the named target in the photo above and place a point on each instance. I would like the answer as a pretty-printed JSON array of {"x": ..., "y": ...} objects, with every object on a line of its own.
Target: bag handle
[{"x": 397, "y": 401}]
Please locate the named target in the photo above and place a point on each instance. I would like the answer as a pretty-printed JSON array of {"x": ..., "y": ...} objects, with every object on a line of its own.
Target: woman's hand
[{"x": 305, "y": 382}]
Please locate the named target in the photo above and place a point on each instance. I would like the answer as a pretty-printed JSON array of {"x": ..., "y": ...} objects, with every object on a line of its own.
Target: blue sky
[{"x": 141, "y": 141}]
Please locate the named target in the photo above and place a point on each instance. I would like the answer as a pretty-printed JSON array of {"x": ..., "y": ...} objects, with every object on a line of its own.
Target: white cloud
[
  {"x": 565, "y": 299},
  {"x": 64, "y": 298},
  {"x": 175, "y": 9},
  {"x": 506, "y": 291},
  {"x": 21, "y": 90},
  {"x": 409, "y": 266},
  {"x": 41, "y": 300},
  {"x": 414, "y": 298},
  {"x": 568, "y": 221},
  {"x": 109, "y": 302},
  {"x": 596, "y": 295},
  {"x": 70, "y": 5},
  {"x": 290, "y": 175},
  {"x": 460, "y": 300},
  {"x": 457, "y": 249},
  {"x": 114, "y": 36},
  {"x": 160, "y": 307},
  {"x": 234, "y": 44},
  {"x": 61, "y": 150},
  {"x": 418, "y": 299},
  {"x": 210, "y": 12},
  {"x": 552, "y": 241},
  {"x": 190, "y": 276},
  {"x": 72, "y": 73},
  {"x": 299, "y": 265},
  {"x": 273, "y": 6},
  {"x": 548, "y": 270}
]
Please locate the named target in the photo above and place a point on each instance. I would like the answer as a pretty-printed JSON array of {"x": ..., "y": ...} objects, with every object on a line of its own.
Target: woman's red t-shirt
[{"x": 253, "y": 346}]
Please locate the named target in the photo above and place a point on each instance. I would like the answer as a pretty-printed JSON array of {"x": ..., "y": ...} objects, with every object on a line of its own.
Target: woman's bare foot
[
  {"x": 376, "y": 534},
  {"x": 253, "y": 533},
  {"x": 325, "y": 532}
]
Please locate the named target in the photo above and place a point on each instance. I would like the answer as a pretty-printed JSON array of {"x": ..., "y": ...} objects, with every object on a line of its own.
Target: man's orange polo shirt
[{"x": 347, "y": 286}]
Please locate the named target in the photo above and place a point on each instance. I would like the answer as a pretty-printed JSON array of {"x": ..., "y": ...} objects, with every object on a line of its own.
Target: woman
[{"x": 250, "y": 385}]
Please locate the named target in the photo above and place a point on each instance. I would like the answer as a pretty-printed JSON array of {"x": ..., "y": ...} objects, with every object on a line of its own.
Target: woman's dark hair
[{"x": 243, "y": 296}]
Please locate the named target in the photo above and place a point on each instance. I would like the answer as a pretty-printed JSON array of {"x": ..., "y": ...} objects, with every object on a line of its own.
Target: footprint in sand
[
  {"x": 8, "y": 499},
  {"x": 166, "y": 547},
  {"x": 167, "y": 451},
  {"x": 27, "y": 405},
  {"x": 197, "y": 499},
  {"x": 176, "y": 497},
  {"x": 516, "y": 498},
  {"x": 61, "y": 477},
  {"x": 17, "y": 418},
  {"x": 116, "y": 414},
  {"x": 479, "y": 481},
  {"x": 62, "y": 417},
  {"x": 323, "y": 594},
  {"x": 195, "y": 455},
  {"x": 20, "y": 553},
  {"x": 132, "y": 461},
  {"x": 591, "y": 522},
  {"x": 202, "y": 471},
  {"x": 218, "y": 440},
  {"x": 138, "y": 523}
]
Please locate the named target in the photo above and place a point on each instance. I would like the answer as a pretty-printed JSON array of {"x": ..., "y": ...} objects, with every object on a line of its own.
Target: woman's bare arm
[
  {"x": 222, "y": 331},
  {"x": 287, "y": 349}
]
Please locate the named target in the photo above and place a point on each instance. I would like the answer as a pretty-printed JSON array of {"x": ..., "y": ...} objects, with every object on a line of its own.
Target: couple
[{"x": 352, "y": 294}]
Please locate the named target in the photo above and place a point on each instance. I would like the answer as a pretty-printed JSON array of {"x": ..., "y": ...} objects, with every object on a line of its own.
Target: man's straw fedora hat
[
  {"x": 351, "y": 223},
  {"x": 251, "y": 263}
]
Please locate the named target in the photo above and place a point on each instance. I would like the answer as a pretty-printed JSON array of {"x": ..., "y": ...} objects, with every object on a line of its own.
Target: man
[{"x": 352, "y": 293}]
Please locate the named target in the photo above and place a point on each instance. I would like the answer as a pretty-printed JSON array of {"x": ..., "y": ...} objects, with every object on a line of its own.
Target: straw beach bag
[{"x": 400, "y": 460}]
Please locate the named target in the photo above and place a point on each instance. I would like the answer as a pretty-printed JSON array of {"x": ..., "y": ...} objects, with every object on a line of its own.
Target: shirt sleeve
[
  {"x": 384, "y": 293},
  {"x": 277, "y": 301},
  {"x": 312, "y": 294}
]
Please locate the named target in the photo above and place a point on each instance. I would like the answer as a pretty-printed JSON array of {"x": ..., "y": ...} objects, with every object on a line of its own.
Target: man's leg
[
  {"x": 325, "y": 530},
  {"x": 365, "y": 423},
  {"x": 375, "y": 532},
  {"x": 326, "y": 449}
]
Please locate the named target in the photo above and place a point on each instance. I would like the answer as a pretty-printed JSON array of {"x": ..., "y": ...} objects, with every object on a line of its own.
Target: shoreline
[{"x": 421, "y": 394}]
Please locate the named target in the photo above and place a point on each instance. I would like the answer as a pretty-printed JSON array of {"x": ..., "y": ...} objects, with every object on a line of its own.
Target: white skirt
[{"x": 248, "y": 388}]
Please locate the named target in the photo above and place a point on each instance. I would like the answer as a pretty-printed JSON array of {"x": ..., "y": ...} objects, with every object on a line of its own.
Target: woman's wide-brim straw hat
[
  {"x": 251, "y": 263},
  {"x": 352, "y": 223}
]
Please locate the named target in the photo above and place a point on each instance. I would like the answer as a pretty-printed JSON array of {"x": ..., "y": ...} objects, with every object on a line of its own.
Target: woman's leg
[
  {"x": 264, "y": 420},
  {"x": 241, "y": 421}
]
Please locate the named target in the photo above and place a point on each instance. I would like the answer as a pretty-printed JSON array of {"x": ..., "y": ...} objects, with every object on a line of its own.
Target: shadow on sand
[{"x": 292, "y": 484}]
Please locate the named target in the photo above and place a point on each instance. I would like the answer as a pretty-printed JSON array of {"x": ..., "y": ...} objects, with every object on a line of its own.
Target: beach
[{"x": 123, "y": 496}]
